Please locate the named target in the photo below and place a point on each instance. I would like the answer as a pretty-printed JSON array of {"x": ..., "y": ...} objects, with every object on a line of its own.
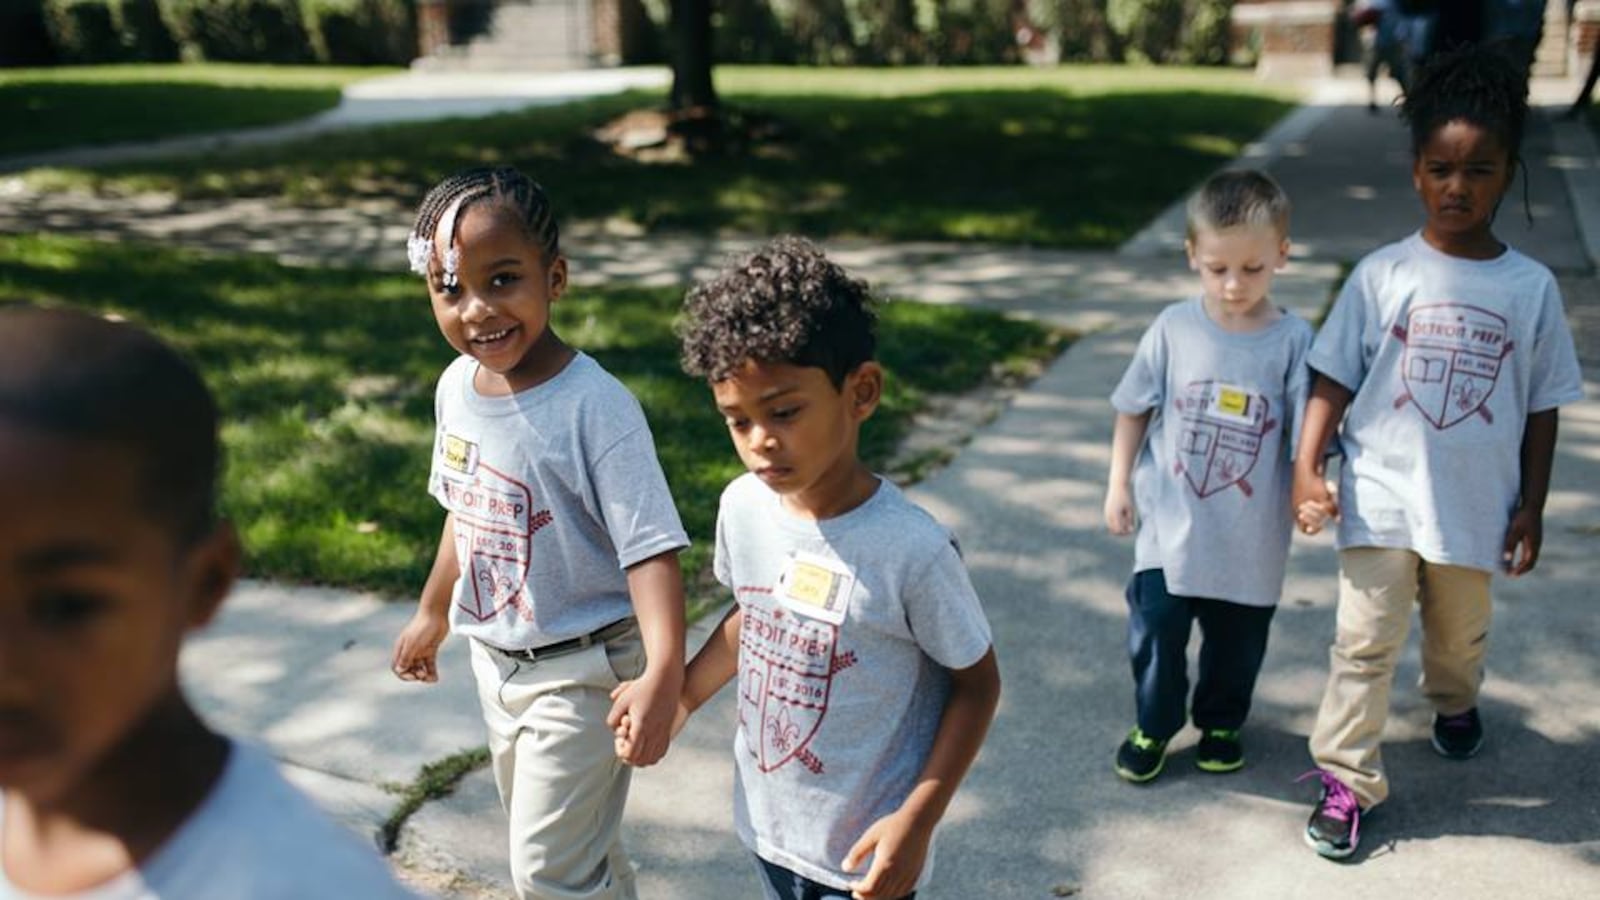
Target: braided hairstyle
[
  {"x": 1474, "y": 83},
  {"x": 503, "y": 186},
  {"x": 783, "y": 303}
]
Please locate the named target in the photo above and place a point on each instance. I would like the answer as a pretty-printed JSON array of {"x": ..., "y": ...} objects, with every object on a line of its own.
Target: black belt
[{"x": 570, "y": 645}]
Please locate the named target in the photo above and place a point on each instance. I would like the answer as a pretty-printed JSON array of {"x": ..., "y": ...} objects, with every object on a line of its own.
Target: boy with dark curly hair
[{"x": 867, "y": 678}]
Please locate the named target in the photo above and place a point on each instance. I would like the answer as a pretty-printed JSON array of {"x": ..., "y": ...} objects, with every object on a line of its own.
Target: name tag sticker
[
  {"x": 816, "y": 587},
  {"x": 1229, "y": 402},
  {"x": 458, "y": 453}
]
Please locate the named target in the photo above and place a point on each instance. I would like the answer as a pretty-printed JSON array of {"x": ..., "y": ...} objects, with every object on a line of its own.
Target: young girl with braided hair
[
  {"x": 1441, "y": 366},
  {"x": 558, "y": 559}
]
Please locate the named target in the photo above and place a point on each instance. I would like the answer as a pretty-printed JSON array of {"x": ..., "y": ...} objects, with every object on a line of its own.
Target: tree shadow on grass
[{"x": 1027, "y": 166}]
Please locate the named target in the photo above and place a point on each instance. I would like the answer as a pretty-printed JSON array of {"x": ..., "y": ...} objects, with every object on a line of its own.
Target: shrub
[
  {"x": 238, "y": 30},
  {"x": 24, "y": 40},
  {"x": 83, "y": 31},
  {"x": 360, "y": 32},
  {"x": 144, "y": 35}
]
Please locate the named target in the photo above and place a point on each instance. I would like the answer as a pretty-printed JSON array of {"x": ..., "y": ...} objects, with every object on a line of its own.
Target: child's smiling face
[
  {"x": 96, "y": 596},
  {"x": 1461, "y": 172},
  {"x": 498, "y": 309}
]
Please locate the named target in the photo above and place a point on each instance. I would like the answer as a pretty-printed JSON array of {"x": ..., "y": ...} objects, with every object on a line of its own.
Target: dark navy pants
[
  {"x": 778, "y": 883},
  {"x": 1233, "y": 640}
]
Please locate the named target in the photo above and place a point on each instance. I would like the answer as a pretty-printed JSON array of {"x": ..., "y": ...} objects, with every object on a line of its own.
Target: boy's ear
[
  {"x": 213, "y": 567},
  {"x": 864, "y": 388},
  {"x": 1188, "y": 251},
  {"x": 1283, "y": 253}
]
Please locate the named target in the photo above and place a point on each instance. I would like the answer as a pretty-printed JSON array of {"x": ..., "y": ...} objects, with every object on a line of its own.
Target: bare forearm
[
  {"x": 656, "y": 588},
  {"x": 715, "y": 664},
  {"x": 1324, "y": 409},
  {"x": 435, "y": 599},
  {"x": 974, "y": 694},
  {"x": 1126, "y": 437},
  {"x": 1538, "y": 454}
]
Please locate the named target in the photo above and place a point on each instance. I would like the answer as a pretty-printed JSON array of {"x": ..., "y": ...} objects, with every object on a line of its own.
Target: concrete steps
[{"x": 523, "y": 35}]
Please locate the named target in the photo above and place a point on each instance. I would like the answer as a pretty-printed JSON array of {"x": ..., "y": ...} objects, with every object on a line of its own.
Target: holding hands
[
  {"x": 646, "y": 714},
  {"x": 1315, "y": 500}
]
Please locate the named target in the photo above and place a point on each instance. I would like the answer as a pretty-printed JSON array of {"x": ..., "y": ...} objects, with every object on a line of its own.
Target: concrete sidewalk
[{"x": 1042, "y": 814}]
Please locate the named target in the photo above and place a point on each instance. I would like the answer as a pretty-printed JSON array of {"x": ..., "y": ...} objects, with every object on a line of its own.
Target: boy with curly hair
[{"x": 867, "y": 677}]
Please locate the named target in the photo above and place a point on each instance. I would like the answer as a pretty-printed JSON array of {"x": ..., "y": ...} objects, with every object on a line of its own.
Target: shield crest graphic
[
  {"x": 1220, "y": 432},
  {"x": 786, "y": 675},
  {"x": 1451, "y": 361},
  {"x": 493, "y": 531}
]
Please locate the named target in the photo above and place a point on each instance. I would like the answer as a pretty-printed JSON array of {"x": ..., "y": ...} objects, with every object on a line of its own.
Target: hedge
[{"x": 342, "y": 32}]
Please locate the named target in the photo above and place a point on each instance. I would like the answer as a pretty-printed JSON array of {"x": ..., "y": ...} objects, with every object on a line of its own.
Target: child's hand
[
  {"x": 1314, "y": 502},
  {"x": 416, "y": 651},
  {"x": 1526, "y": 532},
  {"x": 1311, "y": 515},
  {"x": 646, "y": 715},
  {"x": 624, "y": 741},
  {"x": 898, "y": 847},
  {"x": 1119, "y": 510}
]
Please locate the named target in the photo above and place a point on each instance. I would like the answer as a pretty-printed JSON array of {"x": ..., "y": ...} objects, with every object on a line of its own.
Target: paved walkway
[{"x": 1041, "y": 814}]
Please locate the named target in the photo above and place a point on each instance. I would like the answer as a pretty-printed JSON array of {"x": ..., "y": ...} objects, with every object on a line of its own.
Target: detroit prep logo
[
  {"x": 1221, "y": 428},
  {"x": 494, "y": 526},
  {"x": 1451, "y": 361},
  {"x": 786, "y": 669}
]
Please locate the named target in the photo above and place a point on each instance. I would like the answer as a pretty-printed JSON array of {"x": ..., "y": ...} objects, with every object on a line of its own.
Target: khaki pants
[
  {"x": 1377, "y": 588},
  {"x": 555, "y": 766}
]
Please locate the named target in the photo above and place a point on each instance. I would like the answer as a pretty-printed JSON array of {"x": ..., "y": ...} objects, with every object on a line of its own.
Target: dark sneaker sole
[
  {"x": 1133, "y": 777},
  {"x": 1217, "y": 766},
  {"x": 1325, "y": 849},
  {"x": 1449, "y": 754}
]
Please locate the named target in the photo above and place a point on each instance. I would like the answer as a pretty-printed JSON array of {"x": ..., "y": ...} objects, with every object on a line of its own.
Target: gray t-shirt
[
  {"x": 254, "y": 837},
  {"x": 1213, "y": 478},
  {"x": 850, "y": 626},
  {"x": 1447, "y": 358},
  {"x": 556, "y": 490}
]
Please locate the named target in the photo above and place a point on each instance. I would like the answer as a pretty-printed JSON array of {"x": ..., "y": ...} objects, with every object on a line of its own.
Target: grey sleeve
[
  {"x": 1340, "y": 349},
  {"x": 943, "y": 611},
  {"x": 1556, "y": 378},
  {"x": 1143, "y": 385},
  {"x": 634, "y": 501}
]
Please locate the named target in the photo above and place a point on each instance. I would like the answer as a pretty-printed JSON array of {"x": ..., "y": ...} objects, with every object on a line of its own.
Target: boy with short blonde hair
[{"x": 1205, "y": 415}]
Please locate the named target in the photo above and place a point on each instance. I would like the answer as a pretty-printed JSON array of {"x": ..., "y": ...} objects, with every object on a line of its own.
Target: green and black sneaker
[
  {"x": 1219, "y": 751},
  {"x": 1140, "y": 757}
]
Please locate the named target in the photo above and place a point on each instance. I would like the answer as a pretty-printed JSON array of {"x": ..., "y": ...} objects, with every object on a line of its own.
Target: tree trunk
[{"x": 692, "y": 90}]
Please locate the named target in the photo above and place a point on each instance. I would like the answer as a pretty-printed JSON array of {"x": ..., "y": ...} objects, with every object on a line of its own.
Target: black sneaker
[
  {"x": 1459, "y": 736},
  {"x": 1335, "y": 826},
  {"x": 1140, "y": 757},
  {"x": 1219, "y": 751}
]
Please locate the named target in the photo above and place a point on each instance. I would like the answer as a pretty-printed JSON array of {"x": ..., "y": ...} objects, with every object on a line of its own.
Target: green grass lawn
[
  {"x": 71, "y": 106},
  {"x": 1069, "y": 156},
  {"x": 325, "y": 378}
]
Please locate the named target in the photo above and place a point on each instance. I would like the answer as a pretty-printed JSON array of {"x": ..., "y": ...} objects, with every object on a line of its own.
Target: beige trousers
[
  {"x": 560, "y": 781},
  {"x": 1377, "y": 588}
]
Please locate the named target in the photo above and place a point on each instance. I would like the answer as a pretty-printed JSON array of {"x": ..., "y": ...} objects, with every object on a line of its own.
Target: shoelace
[
  {"x": 1142, "y": 740},
  {"x": 1338, "y": 802},
  {"x": 1224, "y": 733}
]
